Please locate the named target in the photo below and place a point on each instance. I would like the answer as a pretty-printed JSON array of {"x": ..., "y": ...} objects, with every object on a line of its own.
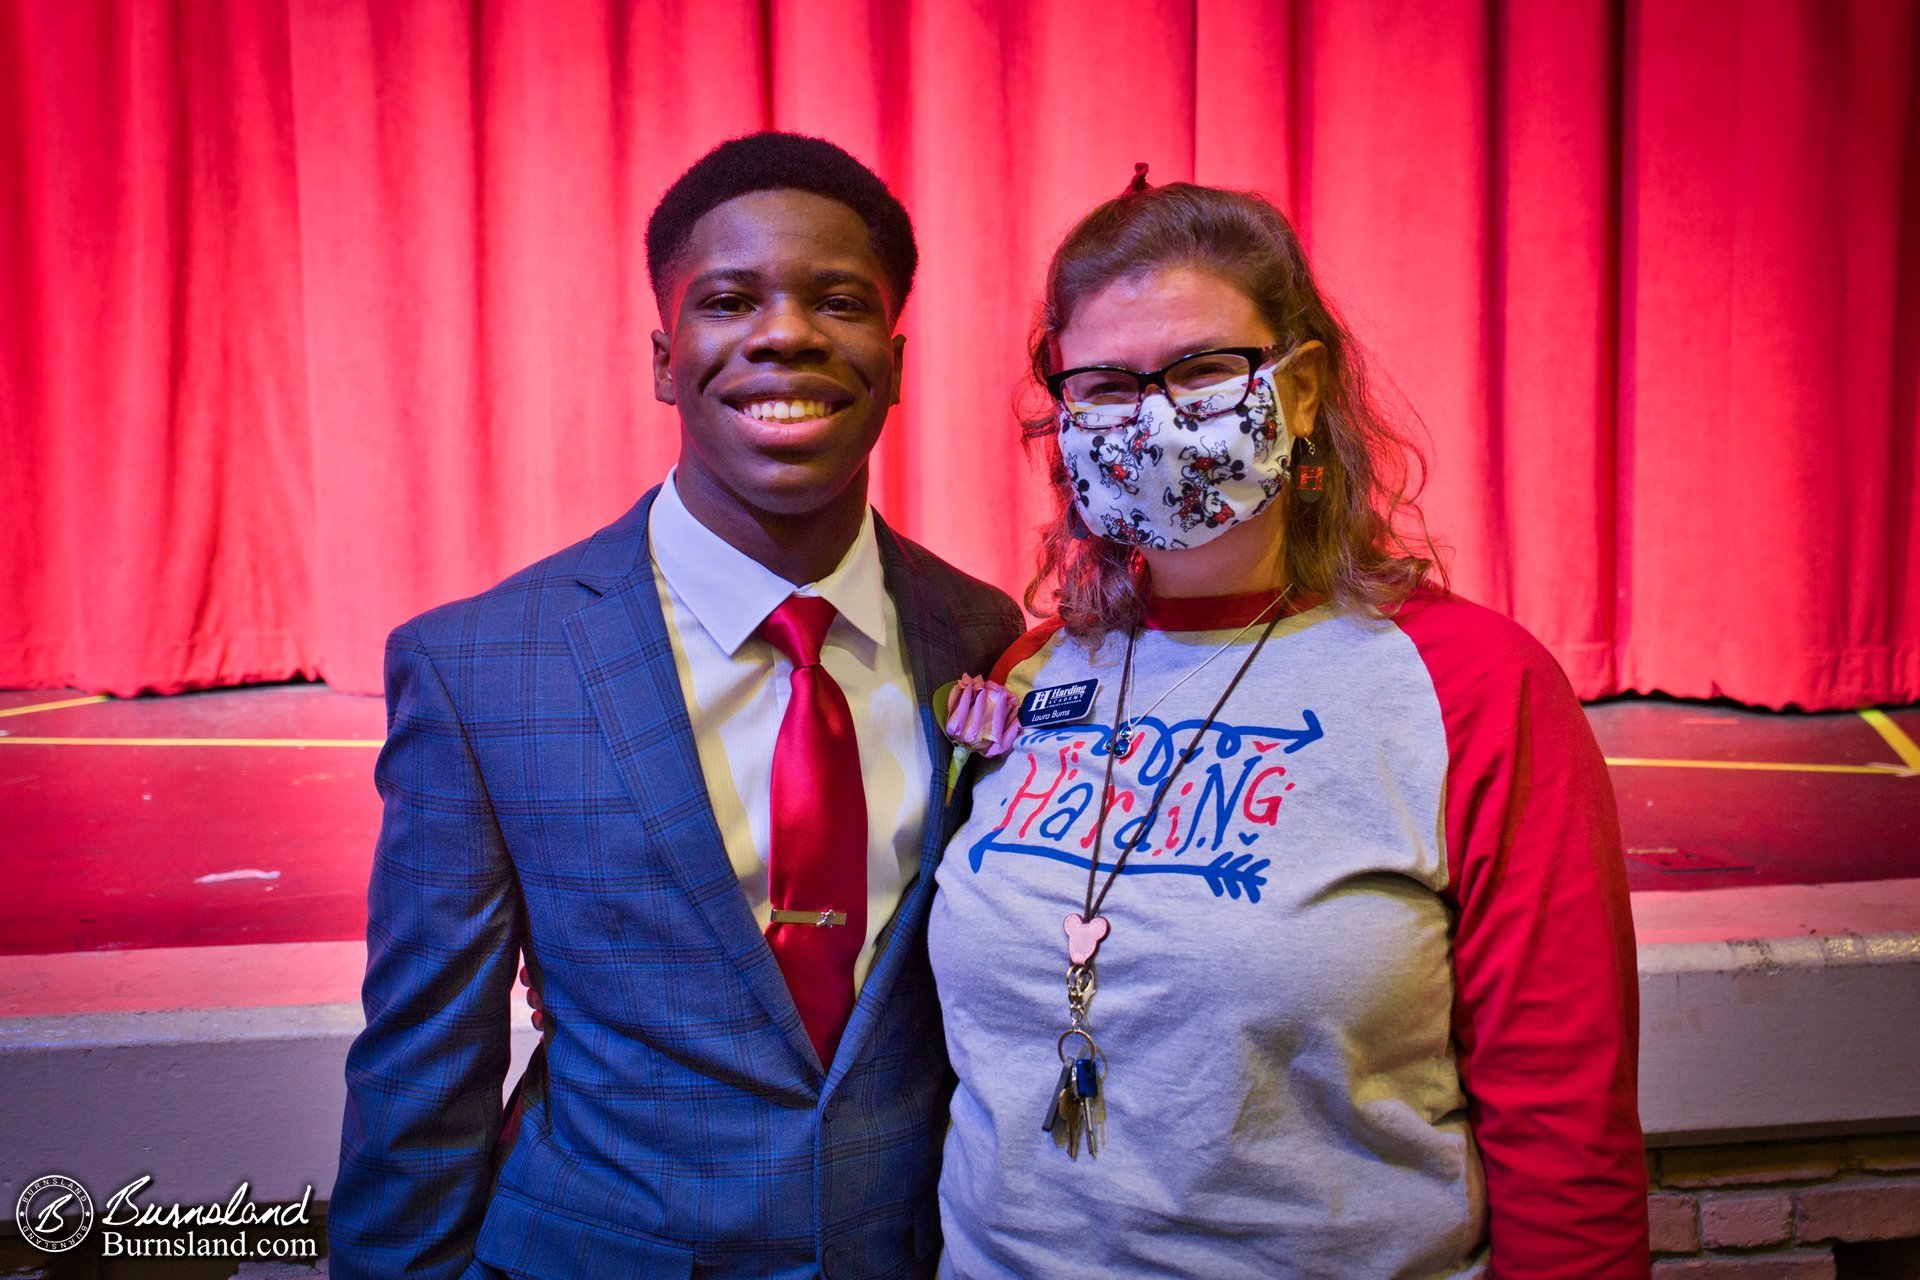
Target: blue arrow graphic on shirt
[{"x": 1229, "y": 875}]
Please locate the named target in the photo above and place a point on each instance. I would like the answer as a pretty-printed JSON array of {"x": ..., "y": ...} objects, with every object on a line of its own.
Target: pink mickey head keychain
[{"x": 1084, "y": 936}]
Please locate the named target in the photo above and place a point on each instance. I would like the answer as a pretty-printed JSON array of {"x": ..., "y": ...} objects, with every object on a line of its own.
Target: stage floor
[
  {"x": 248, "y": 815},
  {"x": 181, "y": 946}
]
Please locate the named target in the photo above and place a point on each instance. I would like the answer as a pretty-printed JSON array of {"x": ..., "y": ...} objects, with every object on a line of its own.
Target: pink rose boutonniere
[{"x": 980, "y": 720}]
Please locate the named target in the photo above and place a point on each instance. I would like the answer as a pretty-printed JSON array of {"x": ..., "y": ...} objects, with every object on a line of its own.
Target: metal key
[
  {"x": 1070, "y": 1112},
  {"x": 1086, "y": 1092}
]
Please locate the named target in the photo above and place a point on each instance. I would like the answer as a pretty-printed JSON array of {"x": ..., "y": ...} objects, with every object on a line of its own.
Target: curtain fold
[{"x": 315, "y": 314}]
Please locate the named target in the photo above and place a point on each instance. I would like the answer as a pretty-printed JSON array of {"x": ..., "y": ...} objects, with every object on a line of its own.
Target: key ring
[{"x": 1093, "y": 1046}]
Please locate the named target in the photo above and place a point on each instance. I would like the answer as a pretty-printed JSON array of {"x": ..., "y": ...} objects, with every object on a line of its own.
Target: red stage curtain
[{"x": 313, "y": 314}]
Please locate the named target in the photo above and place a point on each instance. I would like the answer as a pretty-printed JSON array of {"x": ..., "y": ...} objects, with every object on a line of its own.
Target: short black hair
[{"x": 775, "y": 162}]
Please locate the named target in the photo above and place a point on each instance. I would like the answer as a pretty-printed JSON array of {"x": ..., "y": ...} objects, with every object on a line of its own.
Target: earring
[{"x": 1313, "y": 476}]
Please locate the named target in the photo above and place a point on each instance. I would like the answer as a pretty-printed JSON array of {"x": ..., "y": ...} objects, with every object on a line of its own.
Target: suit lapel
[
  {"x": 625, "y": 660},
  {"x": 930, "y": 657},
  {"x": 930, "y": 653}
]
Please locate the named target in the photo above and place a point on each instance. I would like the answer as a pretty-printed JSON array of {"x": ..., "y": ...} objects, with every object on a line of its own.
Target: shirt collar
[
  {"x": 1215, "y": 613},
  {"x": 731, "y": 593}
]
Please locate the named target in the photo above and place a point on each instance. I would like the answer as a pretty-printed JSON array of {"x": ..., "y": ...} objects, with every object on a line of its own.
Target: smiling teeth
[{"x": 785, "y": 410}]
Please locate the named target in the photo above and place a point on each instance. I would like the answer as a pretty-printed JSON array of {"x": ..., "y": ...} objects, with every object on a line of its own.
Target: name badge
[{"x": 1062, "y": 704}]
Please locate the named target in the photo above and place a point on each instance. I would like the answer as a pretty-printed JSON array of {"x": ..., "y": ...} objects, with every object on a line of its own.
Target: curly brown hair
[{"x": 1364, "y": 546}]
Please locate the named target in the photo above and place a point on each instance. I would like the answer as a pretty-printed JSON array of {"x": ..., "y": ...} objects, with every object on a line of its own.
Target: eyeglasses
[{"x": 1198, "y": 386}]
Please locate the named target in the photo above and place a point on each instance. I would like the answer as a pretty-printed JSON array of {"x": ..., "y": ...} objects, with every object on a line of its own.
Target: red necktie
[{"x": 818, "y": 862}]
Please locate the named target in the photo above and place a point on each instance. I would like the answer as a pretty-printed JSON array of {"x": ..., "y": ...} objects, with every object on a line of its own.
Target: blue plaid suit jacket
[{"x": 543, "y": 794}]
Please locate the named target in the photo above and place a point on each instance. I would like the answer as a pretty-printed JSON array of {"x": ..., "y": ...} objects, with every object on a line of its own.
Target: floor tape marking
[
  {"x": 53, "y": 706},
  {"x": 1903, "y": 746},
  {"x": 1909, "y": 752},
  {"x": 1764, "y": 766}
]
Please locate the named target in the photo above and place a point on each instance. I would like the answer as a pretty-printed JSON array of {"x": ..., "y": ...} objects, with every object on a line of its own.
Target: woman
[{"x": 1349, "y": 982}]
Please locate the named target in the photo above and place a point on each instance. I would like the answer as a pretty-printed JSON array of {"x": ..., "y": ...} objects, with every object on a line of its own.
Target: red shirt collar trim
[{"x": 1207, "y": 613}]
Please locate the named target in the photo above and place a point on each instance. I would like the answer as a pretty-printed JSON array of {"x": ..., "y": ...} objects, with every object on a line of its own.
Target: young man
[{"x": 689, "y": 768}]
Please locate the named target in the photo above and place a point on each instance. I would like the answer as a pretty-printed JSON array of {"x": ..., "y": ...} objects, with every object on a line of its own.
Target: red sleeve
[{"x": 1546, "y": 1015}]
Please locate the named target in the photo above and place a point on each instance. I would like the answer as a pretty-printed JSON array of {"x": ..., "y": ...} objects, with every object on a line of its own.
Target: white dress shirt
[{"x": 736, "y": 686}]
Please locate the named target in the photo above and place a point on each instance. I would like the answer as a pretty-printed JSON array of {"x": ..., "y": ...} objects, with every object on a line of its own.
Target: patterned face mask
[{"x": 1168, "y": 481}]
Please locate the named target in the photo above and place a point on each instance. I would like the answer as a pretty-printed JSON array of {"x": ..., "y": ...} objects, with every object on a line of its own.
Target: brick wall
[{"x": 1784, "y": 1210}]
